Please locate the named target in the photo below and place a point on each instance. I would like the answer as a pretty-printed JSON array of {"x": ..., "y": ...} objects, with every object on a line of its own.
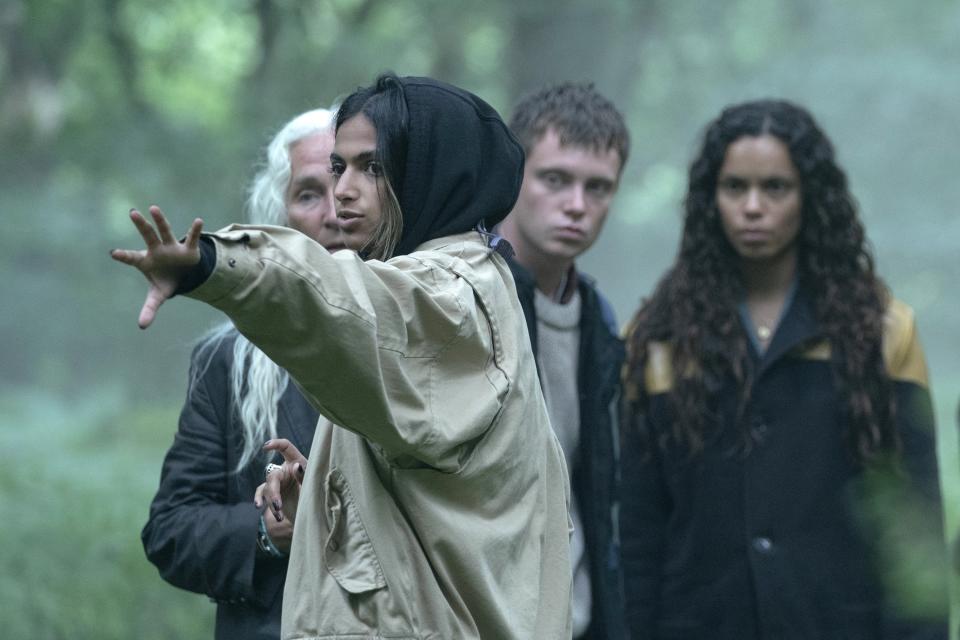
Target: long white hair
[{"x": 256, "y": 382}]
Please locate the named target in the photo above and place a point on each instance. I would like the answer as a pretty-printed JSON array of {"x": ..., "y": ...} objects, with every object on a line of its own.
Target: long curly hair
[{"x": 694, "y": 307}]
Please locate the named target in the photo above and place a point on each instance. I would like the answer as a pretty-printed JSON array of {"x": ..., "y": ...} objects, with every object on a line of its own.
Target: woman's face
[
  {"x": 759, "y": 198},
  {"x": 359, "y": 181},
  {"x": 309, "y": 197}
]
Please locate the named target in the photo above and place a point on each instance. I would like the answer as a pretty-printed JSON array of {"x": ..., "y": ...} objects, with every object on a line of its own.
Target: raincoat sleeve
[{"x": 398, "y": 351}]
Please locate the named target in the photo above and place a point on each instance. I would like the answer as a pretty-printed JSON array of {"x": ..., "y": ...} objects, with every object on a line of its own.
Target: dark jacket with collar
[
  {"x": 594, "y": 476},
  {"x": 202, "y": 530},
  {"x": 789, "y": 539}
]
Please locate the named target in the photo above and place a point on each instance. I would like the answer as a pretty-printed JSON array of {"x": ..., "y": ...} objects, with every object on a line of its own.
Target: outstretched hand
[{"x": 164, "y": 263}]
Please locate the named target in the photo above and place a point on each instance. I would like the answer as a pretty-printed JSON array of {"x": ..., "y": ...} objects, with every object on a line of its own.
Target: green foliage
[
  {"x": 72, "y": 562},
  {"x": 218, "y": 37},
  {"x": 905, "y": 529}
]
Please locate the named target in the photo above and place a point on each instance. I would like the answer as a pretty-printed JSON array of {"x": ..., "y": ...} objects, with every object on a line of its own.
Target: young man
[{"x": 576, "y": 144}]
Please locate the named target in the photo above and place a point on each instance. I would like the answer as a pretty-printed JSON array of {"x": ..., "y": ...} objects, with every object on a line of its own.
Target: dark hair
[
  {"x": 694, "y": 307},
  {"x": 384, "y": 104},
  {"x": 579, "y": 114}
]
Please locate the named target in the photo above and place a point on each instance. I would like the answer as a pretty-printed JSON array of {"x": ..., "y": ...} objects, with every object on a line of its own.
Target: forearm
[
  {"x": 345, "y": 330},
  {"x": 201, "y": 272},
  {"x": 288, "y": 296},
  {"x": 642, "y": 536},
  {"x": 910, "y": 510},
  {"x": 209, "y": 549},
  {"x": 642, "y": 548}
]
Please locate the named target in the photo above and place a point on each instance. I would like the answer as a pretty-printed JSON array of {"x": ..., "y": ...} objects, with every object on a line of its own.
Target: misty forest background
[{"x": 108, "y": 104}]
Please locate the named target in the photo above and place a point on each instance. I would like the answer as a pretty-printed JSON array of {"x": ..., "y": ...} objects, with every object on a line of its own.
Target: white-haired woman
[{"x": 204, "y": 534}]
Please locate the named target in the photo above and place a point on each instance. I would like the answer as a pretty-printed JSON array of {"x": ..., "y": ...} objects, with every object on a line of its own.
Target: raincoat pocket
[{"x": 348, "y": 552}]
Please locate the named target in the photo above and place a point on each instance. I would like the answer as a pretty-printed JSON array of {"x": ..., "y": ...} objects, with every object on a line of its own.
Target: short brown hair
[{"x": 579, "y": 114}]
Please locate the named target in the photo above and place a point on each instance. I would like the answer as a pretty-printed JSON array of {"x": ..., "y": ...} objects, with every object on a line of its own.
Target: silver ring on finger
[{"x": 270, "y": 468}]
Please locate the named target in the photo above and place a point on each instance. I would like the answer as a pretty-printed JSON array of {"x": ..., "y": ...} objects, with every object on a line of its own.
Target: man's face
[
  {"x": 309, "y": 195},
  {"x": 563, "y": 202}
]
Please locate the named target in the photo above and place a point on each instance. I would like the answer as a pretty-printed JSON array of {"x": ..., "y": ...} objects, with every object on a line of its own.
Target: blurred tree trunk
[
  {"x": 448, "y": 65},
  {"x": 558, "y": 40},
  {"x": 124, "y": 52},
  {"x": 268, "y": 20},
  {"x": 36, "y": 45}
]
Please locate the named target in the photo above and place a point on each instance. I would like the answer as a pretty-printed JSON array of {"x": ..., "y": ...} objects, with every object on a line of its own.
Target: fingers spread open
[
  {"x": 149, "y": 310},
  {"x": 128, "y": 256},
  {"x": 193, "y": 235},
  {"x": 163, "y": 227},
  {"x": 147, "y": 232}
]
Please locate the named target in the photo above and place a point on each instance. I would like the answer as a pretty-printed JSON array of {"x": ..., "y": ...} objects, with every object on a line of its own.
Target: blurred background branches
[{"x": 108, "y": 104}]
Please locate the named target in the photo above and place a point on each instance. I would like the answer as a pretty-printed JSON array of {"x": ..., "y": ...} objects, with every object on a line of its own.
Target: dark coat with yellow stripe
[{"x": 783, "y": 541}]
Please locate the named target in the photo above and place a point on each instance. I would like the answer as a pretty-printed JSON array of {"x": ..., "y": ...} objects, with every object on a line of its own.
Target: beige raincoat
[{"x": 440, "y": 510}]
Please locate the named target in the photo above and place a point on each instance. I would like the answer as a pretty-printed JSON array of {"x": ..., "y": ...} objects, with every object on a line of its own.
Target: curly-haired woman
[{"x": 775, "y": 407}]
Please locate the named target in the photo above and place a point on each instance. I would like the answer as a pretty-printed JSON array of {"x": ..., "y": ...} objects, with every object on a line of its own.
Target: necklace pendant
[{"x": 764, "y": 333}]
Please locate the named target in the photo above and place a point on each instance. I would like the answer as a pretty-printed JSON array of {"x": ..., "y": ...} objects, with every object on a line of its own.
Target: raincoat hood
[{"x": 463, "y": 165}]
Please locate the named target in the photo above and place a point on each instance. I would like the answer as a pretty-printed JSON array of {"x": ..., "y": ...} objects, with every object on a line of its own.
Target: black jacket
[
  {"x": 594, "y": 475},
  {"x": 789, "y": 539},
  {"x": 202, "y": 530}
]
